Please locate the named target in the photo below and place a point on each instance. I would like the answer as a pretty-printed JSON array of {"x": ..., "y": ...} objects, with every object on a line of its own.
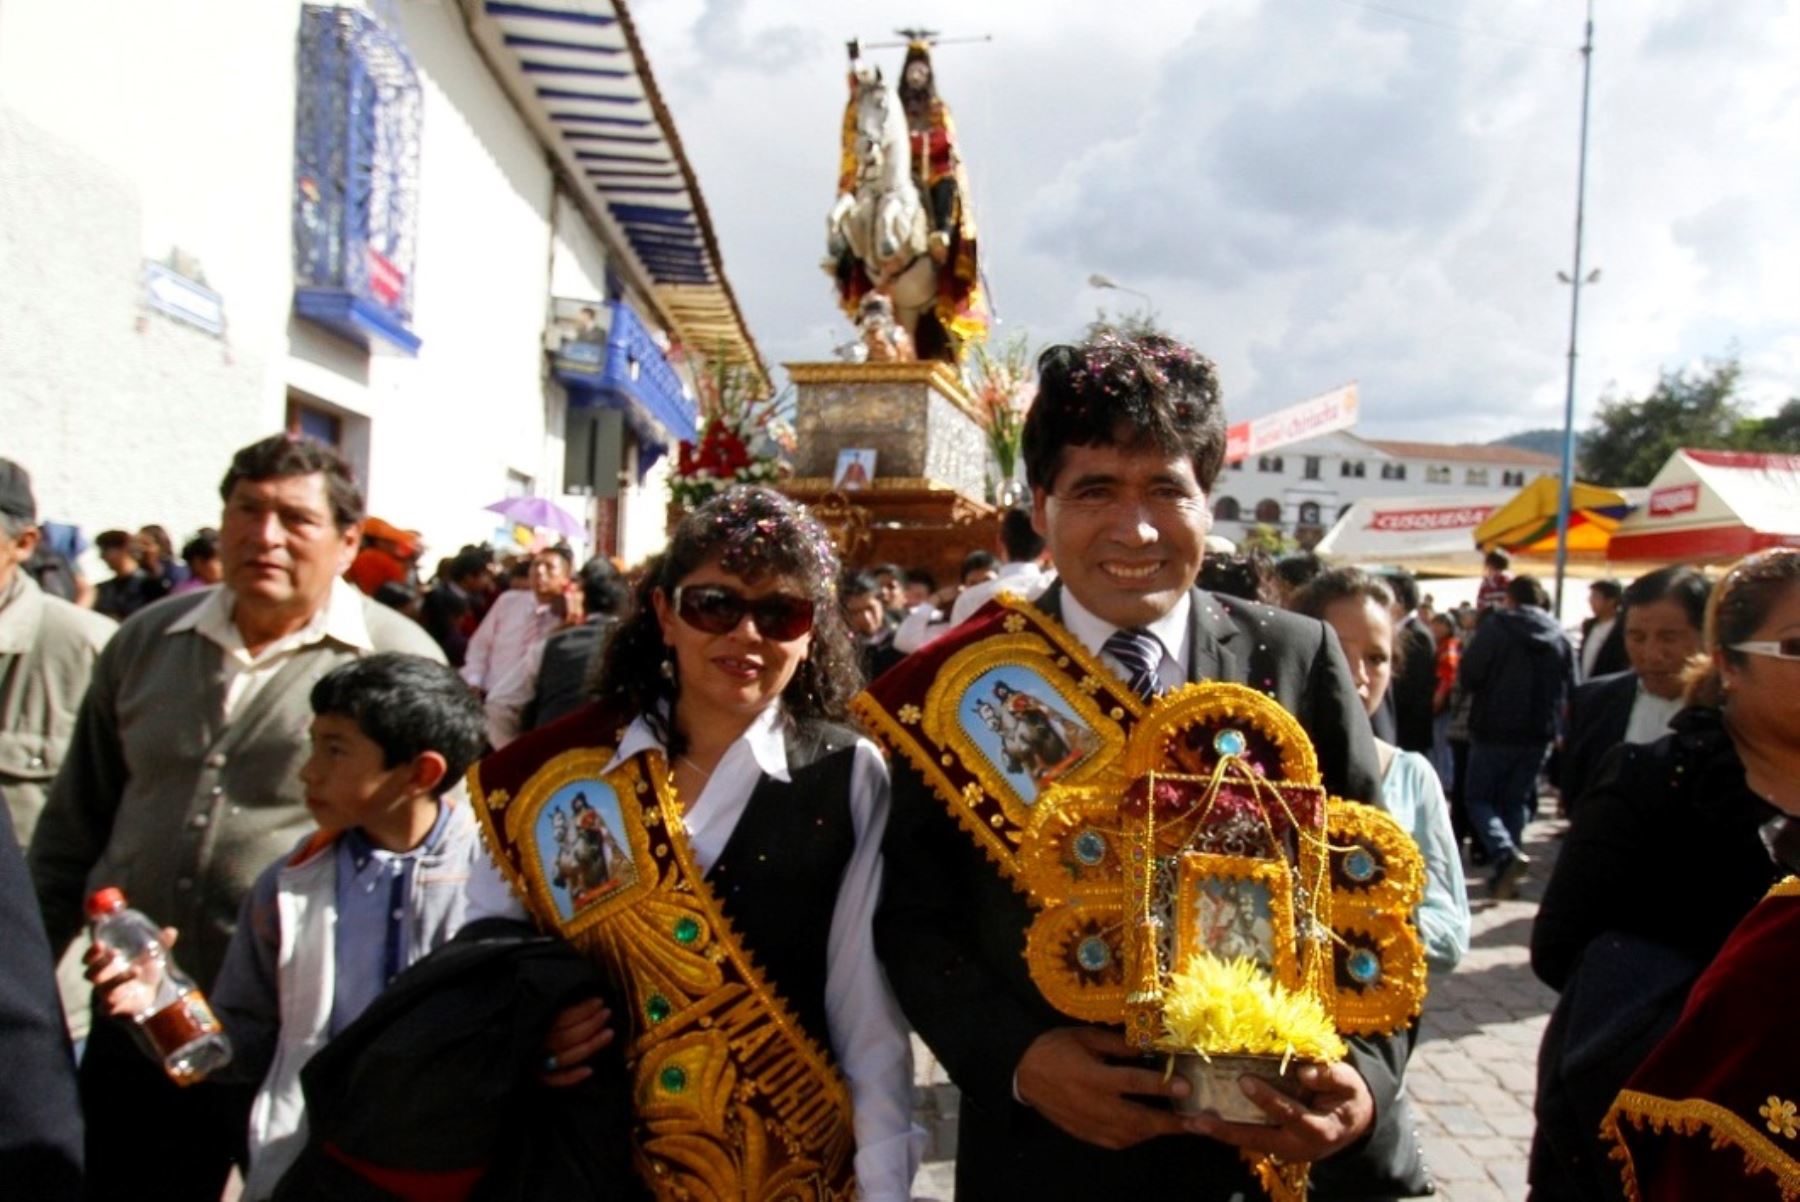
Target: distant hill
[{"x": 1547, "y": 441}]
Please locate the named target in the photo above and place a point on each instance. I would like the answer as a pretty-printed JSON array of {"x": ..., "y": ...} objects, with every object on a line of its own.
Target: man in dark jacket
[
  {"x": 1519, "y": 669},
  {"x": 1415, "y": 673}
]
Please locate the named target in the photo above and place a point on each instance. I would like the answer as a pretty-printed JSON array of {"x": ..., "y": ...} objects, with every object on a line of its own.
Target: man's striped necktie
[{"x": 1138, "y": 652}]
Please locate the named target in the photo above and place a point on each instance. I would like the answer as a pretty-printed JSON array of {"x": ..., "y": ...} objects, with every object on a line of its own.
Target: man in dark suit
[
  {"x": 1121, "y": 446},
  {"x": 1603, "y": 635},
  {"x": 1663, "y": 615}
]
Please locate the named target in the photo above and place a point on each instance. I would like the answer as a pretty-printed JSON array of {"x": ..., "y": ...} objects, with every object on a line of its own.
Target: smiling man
[
  {"x": 1121, "y": 447},
  {"x": 182, "y": 780}
]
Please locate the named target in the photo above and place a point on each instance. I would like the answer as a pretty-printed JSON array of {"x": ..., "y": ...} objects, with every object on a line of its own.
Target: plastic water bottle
[{"x": 172, "y": 1016}]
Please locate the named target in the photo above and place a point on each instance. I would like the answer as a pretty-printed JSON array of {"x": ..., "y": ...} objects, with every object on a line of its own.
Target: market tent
[
  {"x": 1527, "y": 523},
  {"x": 1711, "y": 507},
  {"x": 1426, "y": 534}
]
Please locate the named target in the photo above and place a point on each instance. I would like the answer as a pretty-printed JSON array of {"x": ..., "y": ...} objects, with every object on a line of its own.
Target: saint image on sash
[
  {"x": 582, "y": 846},
  {"x": 1025, "y": 728}
]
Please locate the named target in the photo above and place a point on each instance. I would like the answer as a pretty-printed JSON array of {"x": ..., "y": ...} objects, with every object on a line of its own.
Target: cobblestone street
[{"x": 1472, "y": 1076}]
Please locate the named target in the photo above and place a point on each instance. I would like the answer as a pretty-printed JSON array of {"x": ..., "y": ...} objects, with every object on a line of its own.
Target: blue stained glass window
[{"x": 356, "y": 178}]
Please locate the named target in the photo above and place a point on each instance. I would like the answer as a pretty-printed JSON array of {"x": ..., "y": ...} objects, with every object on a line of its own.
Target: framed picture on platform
[{"x": 855, "y": 469}]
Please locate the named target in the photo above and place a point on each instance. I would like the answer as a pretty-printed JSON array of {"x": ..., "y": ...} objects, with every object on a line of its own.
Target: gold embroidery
[
  {"x": 910, "y": 715},
  {"x": 734, "y": 1098},
  {"x": 1013, "y": 623},
  {"x": 1692, "y": 1117},
  {"x": 1781, "y": 1116}
]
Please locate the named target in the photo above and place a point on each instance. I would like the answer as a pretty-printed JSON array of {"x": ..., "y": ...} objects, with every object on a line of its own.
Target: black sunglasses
[{"x": 716, "y": 609}]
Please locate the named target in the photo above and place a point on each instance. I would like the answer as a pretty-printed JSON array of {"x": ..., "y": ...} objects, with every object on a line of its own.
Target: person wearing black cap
[{"x": 47, "y": 653}]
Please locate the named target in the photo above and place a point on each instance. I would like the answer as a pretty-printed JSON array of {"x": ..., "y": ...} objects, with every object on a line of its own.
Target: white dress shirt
[
  {"x": 516, "y": 621},
  {"x": 868, "y": 1034},
  {"x": 1650, "y": 716},
  {"x": 922, "y": 623},
  {"x": 1171, "y": 630},
  {"x": 339, "y": 619}
]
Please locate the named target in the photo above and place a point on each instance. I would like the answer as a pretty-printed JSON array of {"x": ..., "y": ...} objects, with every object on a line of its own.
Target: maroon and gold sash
[{"x": 733, "y": 1099}]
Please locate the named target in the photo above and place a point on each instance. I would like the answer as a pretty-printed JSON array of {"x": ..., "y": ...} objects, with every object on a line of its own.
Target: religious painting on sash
[
  {"x": 582, "y": 846},
  {"x": 1024, "y": 728}
]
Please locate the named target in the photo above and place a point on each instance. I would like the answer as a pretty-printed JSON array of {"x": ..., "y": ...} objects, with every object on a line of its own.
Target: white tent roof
[
  {"x": 1713, "y": 505},
  {"x": 1434, "y": 531}
]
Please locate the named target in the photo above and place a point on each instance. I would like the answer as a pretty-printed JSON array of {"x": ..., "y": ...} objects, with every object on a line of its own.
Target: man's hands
[
  {"x": 122, "y": 988},
  {"x": 576, "y": 1034},
  {"x": 1065, "y": 1075},
  {"x": 1334, "y": 1110}
]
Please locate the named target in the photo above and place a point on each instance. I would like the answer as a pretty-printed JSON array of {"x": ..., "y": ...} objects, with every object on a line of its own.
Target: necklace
[{"x": 705, "y": 773}]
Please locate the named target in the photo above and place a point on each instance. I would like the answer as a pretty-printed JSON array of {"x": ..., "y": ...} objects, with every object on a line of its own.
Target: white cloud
[{"x": 1312, "y": 191}]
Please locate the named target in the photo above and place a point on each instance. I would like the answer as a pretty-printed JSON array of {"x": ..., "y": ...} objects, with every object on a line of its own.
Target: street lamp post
[
  {"x": 1107, "y": 282},
  {"x": 1575, "y": 281}
]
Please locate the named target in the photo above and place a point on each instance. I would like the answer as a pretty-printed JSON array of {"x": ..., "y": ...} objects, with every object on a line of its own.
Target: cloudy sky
[{"x": 1311, "y": 191}]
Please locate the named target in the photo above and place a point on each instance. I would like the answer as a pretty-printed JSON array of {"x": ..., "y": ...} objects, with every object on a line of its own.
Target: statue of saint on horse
[{"x": 902, "y": 224}]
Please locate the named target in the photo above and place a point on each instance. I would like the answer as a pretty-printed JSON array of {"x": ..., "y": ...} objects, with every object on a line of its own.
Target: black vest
[{"x": 777, "y": 879}]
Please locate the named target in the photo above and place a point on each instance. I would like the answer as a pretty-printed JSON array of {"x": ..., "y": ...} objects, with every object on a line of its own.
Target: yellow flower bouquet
[{"x": 1224, "y": 1019}]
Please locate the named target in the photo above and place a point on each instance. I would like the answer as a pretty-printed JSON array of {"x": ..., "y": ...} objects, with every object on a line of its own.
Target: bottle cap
[{"x": 105, "y": 901}]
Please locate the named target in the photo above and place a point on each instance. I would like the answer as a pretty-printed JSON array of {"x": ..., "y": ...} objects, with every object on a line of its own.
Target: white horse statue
[{"x": 883, "y": 222}]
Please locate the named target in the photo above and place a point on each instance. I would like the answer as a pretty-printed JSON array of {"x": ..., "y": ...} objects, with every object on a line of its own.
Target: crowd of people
[{"x": 754, "y": 888}]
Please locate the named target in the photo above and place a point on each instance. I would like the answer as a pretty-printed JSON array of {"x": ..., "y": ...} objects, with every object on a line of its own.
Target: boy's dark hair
[
  {"x": 113, "y": 540},
  {"x": 1144, "y": 392},
  {"x": 1346, "y": 584},
  {"x": 977, "y": 561},
  {"x": 888, "y": 569},
  {"x": 1678, "y": 583},
  {"x": 603, "y": 590},
  {"x": 562, "y": 551},
  {"x": 1497, "y": 560},
  {"x": 1021, "y": 543},
  {"x": 407, "y": 705},
  {"x": 1527, "y": 591},
  {"x": 1405, "y": 588},
  {"x": 281, "y": 456},
  {"x": 918, "y": 575},
  {"x": 470, "y": 561}
]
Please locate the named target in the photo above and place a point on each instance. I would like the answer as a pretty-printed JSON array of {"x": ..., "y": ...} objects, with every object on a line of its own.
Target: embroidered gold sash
[{"x": 733, "y": 1098}]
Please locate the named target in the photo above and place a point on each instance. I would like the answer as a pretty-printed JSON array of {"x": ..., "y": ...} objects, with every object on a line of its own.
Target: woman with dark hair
[
  {"x": 1674, "y": 843},
  {"x": 761, "y": 1042}
]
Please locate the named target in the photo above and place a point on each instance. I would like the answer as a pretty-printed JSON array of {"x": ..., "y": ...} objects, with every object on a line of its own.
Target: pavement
[{"x": 1472, "y": 1076}]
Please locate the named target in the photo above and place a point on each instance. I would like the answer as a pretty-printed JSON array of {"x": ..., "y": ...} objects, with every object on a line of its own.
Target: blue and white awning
[{"x": 579, "y": 73}]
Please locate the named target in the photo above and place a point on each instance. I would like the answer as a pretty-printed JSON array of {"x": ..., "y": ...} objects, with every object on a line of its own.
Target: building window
[
  {"x": 1513, "y": 479},
  {"x": 1476, "y": 476},
  {"x": 315, "y": 423},
  {"x": 1309, "y": 513},
  {"x": 1393, "y": 471},
  {"x": 1269, "y": 463},
  {"x": 1268, "y": 511},
  {"x": 356, "y": 178},
  {"x": 1226, "y": 509},
  {"x": 1310, "y": 468},
  {"x": 1352, "y": 468},
  {"x": 1437, "y": 474}
]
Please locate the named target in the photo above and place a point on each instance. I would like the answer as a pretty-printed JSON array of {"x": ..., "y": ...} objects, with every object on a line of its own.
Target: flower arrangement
[
  {"x": 743, "y": 437},
  {"x": 1003, "y": 385},
  {"x": 1215, "y": 1007}
]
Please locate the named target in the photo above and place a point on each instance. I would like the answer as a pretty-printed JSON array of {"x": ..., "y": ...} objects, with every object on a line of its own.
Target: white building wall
[
  {"x": 1249, "y": 484},
  {"x": 177, "y": 130}
]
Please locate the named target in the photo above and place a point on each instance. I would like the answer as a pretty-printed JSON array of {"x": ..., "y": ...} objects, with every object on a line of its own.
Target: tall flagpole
[{"x": 1575, "y": 283}]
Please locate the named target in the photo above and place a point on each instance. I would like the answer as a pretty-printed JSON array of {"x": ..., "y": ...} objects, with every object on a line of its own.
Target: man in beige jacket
[{"x": 47, "y": 653}]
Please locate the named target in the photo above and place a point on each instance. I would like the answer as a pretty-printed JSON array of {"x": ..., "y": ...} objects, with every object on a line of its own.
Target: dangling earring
[{"x": 667, "y": 667}]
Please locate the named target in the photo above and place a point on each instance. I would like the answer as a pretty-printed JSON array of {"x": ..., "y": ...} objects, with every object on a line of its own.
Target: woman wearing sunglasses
[
  {"x": 1672, "y": 846},
  {"x": 721, "y": 868}
]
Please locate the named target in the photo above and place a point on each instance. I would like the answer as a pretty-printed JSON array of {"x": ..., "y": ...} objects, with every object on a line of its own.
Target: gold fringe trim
[{"x": 1693, "y": 1116}]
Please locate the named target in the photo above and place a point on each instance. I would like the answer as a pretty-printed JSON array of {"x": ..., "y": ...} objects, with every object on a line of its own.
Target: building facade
[
  {"x": 1301, "y": 489},
  {"x": 458, "y": 239}
]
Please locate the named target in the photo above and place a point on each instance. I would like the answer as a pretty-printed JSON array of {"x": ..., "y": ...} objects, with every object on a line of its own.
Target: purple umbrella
[{"x": 539, "y": 513}]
